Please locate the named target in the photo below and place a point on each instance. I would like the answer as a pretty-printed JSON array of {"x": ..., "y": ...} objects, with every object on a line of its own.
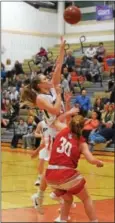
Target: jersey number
[{"x": 65, "y": 147}]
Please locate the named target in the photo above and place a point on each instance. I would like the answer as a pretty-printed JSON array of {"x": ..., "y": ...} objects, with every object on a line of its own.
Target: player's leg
[
  {"x": 88, "y": 205},
  {"x": 40, "y": 171},
  {"x": 65, "y": 207}
]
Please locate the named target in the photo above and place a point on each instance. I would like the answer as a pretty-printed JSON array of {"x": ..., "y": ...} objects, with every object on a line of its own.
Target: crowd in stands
[{"x": 100, "y": 123}]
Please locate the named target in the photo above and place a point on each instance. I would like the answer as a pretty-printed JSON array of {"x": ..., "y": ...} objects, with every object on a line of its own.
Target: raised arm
[
  {"x": 57, "y": 72},
  {"x": 89, "y": 157}
]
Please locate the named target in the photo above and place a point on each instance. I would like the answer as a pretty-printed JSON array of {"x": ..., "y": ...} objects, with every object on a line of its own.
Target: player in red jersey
[{"x": 61, "y": 173}]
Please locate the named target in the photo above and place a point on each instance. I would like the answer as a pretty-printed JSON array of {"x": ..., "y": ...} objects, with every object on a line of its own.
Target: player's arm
[
  {"x": 37, "y": 132},
  {"x": 36, "y": 152},
  {"x": 56, "y": 78},
  {"x": 88, "y": 155},
  {"x": 69, "y": 111},
  {"x": 45, "y": 105}
]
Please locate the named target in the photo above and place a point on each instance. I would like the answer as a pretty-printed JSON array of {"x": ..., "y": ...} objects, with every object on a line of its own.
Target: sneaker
[
  {"x": 37, "y": 202},
  {"x": 59, "y": 220},
  {"x": 34, "y": 198},
  {"x": 37, "y": 182}
]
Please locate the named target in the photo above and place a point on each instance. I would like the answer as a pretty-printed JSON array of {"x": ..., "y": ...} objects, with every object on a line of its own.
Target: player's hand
[
  {"x": 34, "y": 154},
  {"x": 99, "y": 163},
  {"x": 74, "y": 111}
]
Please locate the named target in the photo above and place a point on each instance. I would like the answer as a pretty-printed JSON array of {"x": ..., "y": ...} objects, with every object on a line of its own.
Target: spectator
[
  {"x": 98, "y": 106},
  {"x": 9, "y": 70},
  {"x": 21, "y": 129},
  {"x": 33, "y": 74},
  {"x": 102, "y": 135},
  {"x": 14, "y": 95},
  {"x": 14, "y": 112},
  {"x": 18, "y": 68},
  {"x": 18, "y": 83},
  {"x": 112, "y": 95},
  {"x": 67, "y": 75},
  {"x": 84, "y": 68},
  {"x": 3, "y": 73},
  {"x": 41, "y": 54},
  {"x": 64, "y": 86},
  {"x": 95, "y": 70},
  {"x": 70, "y": 61},
  {"x": 29, "y": 138},
  {"x": 108, "y": 115},
  {"x": 90, "y": 52},
  {"x": 100, "y": 52},
  {"x": 90, "y": 124},
  {"x": 84, "y": 102}
]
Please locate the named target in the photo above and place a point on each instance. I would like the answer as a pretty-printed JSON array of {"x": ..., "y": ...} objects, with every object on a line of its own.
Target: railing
[{"x": 82, "y": 40}]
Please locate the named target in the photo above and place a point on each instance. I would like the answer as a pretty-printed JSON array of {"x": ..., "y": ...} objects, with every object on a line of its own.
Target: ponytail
[
  {"x": 28, "y": 96},
  {"x": 29, "y": 93}
]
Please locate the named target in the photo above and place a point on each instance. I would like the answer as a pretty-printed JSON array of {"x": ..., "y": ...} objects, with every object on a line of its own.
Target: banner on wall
[{"x": 104, "y": 12}]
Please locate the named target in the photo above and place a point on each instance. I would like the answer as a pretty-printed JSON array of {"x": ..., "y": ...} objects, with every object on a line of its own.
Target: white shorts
[{"x": 44, "y": 154}]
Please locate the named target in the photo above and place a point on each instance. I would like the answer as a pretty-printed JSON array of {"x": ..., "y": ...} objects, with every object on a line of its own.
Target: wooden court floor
[{"x": 19, "y": 173}]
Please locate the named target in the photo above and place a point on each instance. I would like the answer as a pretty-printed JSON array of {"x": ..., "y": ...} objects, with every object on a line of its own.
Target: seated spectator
[
  {"x": 18, "y": 68},
  {"x": 3, "y": 73},
  {"x": 90, "y": 124},
  {"x": 70, "y": 61},
  {"x": 111, "y": 80},
  {"x": 64, "y": 86},
  {"x": 95, "y": 70},
  {"x": 14, "y": 94},
  {"x": 98, "y": 106},
  {"x": 33, "y": 74},
  {"x": 100, "y": 52},
  {"x": 26, "y": 79},
  {"x": 102, "y": 135},
  {"x": 14, "y": 112},
  {"x": 7, "y": 108},
  {"x": 90, "y": 52},
  {"x": 67, "y": 75},
  {"x": 9, "y": 71},
  {"x": 84, "y": 66},
  {"x": 20, "y": 130},
  {"x": 84, "y": 102},
  {"x": 108, "y": 115},
  {"x": 112, "y": 95},
  {"x": 29, "y": 138},
  {"x": 42, "y": 53}
]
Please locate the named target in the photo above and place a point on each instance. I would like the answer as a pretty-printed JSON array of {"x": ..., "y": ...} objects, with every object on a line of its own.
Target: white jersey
[
  {"x": 48, "y": 135},
  {"x": 47, "y": 131},
  {"x": 51, "y": 98}
]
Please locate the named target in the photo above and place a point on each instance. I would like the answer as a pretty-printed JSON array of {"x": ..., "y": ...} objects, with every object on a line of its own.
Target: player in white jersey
[
  {"x": 46, "y": 95},
  {"x": 47, "y": 135}
]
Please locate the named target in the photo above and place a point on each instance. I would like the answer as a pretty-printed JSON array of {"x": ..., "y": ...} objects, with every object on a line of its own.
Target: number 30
[{"x": 65, "y": 147}]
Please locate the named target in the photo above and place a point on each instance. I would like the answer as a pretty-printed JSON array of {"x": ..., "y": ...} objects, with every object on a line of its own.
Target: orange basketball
[{"x": 72, "y": 15}]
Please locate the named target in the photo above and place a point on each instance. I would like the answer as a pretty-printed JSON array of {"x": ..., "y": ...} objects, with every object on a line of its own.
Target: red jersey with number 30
[{"x": 65, "y": 151}]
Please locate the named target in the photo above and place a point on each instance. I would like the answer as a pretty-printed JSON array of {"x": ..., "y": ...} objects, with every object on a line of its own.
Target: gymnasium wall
[
  {"x": 25, "y": 29},
  {"x": 93, "y": 30}
]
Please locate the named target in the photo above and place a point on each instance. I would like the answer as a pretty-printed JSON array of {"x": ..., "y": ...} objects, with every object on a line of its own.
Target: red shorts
[{"x": 65, "y": 181}]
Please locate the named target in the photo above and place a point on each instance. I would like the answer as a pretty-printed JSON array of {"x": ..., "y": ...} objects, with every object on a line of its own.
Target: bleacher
[{"x": 93, "y": 90}]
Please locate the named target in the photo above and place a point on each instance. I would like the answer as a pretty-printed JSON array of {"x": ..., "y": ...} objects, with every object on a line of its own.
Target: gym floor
[{"x": 19, "y": 173}]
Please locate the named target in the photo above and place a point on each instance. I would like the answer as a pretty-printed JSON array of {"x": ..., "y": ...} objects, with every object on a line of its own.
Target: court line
[{"x": 106, "y": 199}]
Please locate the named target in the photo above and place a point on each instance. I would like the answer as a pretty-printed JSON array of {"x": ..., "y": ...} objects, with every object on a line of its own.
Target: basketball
[{"x": 72, "y": 15}]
